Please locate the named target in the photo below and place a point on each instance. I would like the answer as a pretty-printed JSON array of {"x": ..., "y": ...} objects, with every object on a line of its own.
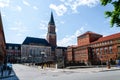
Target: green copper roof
[{"x": 51, "y": 22}]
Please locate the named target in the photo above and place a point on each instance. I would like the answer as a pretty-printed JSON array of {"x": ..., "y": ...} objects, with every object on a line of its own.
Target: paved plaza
[{"x": 24, "y": 72}]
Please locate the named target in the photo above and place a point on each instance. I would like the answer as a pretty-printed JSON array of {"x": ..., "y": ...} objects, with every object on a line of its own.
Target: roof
[
  {"x": 110, "y": 37},
  {"x": 72, "y": 46},
  {"x": 89, "y": 32},
  {"x": 51, "y": 22},
  {"x": 36, "y": 41},
  {"x": 13, "y": 45},
  {"x": 59, "y": 47}
]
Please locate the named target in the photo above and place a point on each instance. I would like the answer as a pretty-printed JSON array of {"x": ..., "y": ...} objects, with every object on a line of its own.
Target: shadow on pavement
[{"x": 7, "y": 75}]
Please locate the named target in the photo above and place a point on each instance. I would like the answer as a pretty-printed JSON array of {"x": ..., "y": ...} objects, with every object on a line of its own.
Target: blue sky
[{"x": 22, "y": 18}]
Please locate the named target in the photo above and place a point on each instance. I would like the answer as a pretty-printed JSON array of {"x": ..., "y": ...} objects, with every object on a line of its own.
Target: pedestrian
[
  {"x": 2, "y": 70},
  {"x": 9, "y": 72},
  {"x": 9, "y": 65},
  {"x": 108, "y": 64}
]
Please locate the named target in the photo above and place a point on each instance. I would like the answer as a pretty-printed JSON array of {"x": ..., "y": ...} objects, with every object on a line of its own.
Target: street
[{"x": 24, "y": 72}]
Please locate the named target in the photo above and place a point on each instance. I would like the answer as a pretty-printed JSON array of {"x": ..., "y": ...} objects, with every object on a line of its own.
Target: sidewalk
[
  {"x": 24, "y": 72},
  {"x": 21, "y": 72},
  {"x": 6, "y": 74},
  {"x": 81, "y": 69}
]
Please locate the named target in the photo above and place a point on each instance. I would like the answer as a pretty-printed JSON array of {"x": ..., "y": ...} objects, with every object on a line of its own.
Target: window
[
  {"x": 118, "y": 41},
  {"x": 97, "y": 51},
  {"x": 111, "y": 42},
  {"x": 16, "y": 48},
  {"x": 105, "y": 49},
  {"x": 102, "y": 43},
  {"x": 110, "y": 49},
  {"x": 105, "y": 43},
  {"x": 93, "y": 51},
  {"x": 10, "y": 47},
  {"x": 118, "y": 49},
  {"x": 101, "y": 50}
]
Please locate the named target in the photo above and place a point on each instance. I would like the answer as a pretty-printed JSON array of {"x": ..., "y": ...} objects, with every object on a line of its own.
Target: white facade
[{"x": 34, "y": 53}]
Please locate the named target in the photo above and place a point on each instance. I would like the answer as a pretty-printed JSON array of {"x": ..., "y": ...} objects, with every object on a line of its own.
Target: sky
[{"x": 23, "y": 18}]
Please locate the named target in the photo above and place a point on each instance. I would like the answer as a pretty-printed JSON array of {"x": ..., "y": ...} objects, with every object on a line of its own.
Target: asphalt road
[{"x": 31, "y": 73}]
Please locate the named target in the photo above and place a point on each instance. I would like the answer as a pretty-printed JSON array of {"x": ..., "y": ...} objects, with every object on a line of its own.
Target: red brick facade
[
  {"x": 92, "y": 48},
  {"x": 13, "y": 52},
  {"x": 2, "y": 42}
]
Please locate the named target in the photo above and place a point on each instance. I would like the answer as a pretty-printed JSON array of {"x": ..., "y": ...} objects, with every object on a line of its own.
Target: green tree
[{"x": 115, "y": 14}]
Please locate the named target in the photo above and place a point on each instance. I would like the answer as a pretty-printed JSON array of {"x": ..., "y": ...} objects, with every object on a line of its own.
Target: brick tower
[{"x": 51, "y": 35}]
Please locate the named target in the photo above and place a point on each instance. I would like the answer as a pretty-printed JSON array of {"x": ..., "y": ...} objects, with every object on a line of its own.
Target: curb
[{"x": 109, "y": 70}]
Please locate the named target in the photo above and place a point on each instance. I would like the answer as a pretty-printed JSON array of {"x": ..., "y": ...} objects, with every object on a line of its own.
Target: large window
[
  {"x": 16, "y": 48},
  {"x": 118, "y": 49},
  {"x": 111, "y": 42},
  {"x": 97, "y": 51},
  {"x": 93, "y": 51},
  {"x": 110, "y": 49},
  {"x": 105, "y": 50},
  {"x": 10, "y": 47},
  {"x": 101, "y": 50}
]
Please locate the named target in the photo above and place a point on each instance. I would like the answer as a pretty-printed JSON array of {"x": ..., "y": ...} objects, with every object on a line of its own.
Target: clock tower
[{"x": 51, "y": 34}]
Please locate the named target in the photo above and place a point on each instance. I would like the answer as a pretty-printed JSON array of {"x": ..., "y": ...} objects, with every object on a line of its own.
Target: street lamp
[
  {"x": 42, "y": 53},
  {"x": 29, "y": 59}
]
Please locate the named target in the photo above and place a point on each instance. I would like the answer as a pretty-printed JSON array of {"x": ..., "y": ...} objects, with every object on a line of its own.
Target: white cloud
[
  {"x": 26, "y": 3},
  {"x": 74, "y": 4},
  {"x": 70, "y": 40},
  {"x": 60, "y": 9},
  {"x": 4, "y": 3},
  {"x": 35, "y": 7}
]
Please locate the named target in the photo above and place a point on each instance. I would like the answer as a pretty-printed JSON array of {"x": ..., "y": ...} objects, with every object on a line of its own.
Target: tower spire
[
  {"x": 51, "y": 22},
  {"x": 51, "y": 35}
]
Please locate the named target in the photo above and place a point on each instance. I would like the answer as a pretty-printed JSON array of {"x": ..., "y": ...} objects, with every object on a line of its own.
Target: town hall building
[
  {"x": 40, "y": 50},
  {"x": 93, "y": 48}
]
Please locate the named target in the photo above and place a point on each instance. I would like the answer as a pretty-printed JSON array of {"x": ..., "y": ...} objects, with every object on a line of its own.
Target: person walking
[
  {"x": 2, "y": 70},
  {"x": 9, "y": 68},
  {"x": 9, "y": 71}
]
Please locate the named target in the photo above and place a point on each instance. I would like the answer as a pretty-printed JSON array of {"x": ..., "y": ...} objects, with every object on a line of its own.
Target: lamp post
[
  {"x": 29, "y": 59},
  {"x": 42, "y": 53},
  {"x": 56, "y": 60}
]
